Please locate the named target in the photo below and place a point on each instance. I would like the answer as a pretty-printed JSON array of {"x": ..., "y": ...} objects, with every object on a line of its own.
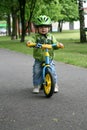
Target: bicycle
[{"x": 48, "y": 84}]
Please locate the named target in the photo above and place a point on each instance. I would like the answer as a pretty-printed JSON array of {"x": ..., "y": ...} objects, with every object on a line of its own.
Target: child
[{"x": 43, "y": 24}]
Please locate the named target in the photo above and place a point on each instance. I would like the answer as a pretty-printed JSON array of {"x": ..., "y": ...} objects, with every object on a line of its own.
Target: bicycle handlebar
[{"x": 44, "y": 46}]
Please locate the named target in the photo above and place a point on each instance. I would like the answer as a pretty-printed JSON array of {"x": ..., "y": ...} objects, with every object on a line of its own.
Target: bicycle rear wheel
[{"x": 49, "y": 84}]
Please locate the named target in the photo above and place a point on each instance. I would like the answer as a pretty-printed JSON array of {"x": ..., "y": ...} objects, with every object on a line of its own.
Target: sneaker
[
  {"x": 56, "y": 89},
  {"x": 36, "y": 90}
]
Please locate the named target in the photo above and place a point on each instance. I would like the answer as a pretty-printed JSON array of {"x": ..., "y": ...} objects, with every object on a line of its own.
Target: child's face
[{"x": 43, "y": 29}]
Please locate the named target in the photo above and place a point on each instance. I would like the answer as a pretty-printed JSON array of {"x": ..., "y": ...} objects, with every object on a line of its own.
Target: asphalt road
[{"x": 22, "y": 110}]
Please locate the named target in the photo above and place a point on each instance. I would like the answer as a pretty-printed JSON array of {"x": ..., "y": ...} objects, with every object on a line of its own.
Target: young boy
[{"x": 43, "y": 24}]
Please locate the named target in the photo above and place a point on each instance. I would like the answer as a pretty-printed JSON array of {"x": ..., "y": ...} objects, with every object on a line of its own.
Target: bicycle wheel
[{"x": 49, "y": 84}]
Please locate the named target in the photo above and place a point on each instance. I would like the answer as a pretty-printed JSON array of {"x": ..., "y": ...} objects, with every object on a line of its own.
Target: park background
[{"x": 71, "y": 33}]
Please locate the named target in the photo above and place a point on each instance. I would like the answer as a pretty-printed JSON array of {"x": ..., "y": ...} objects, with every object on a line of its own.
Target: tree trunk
[
  {"x": 22, "y": 14},
  {"x": 9, "y": 25},
  {"x": 60, "y": 24},
  {"x": 14, "y": 25},
  {"x": 19, "y": 28},
  {"x": 33, "y": 3},
  {"x": 82, "y": 25}
]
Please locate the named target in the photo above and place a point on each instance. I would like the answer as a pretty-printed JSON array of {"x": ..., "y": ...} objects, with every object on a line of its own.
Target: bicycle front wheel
[{"x": 49, "y": 84}]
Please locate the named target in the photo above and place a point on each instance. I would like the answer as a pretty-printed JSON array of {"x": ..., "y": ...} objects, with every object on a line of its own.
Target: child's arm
[{"x": 57, "y": 44}]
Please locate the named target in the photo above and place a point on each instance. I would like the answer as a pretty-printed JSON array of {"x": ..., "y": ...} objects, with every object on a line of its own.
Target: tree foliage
[
  {"x": 28, "y": 10},
  {"x": 69, "y": 10}
]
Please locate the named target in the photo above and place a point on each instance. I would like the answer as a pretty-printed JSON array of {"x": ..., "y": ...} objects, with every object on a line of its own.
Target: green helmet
[{"x": 43, "y": 20}]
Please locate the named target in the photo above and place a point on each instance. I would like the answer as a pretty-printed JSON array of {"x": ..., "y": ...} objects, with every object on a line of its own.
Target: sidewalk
[{"x": 22, "y": 110}]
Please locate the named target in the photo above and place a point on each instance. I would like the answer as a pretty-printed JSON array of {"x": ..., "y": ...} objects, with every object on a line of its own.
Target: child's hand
[
  {"x": 60, "y": 45},
  {"x": 38, "y": 45}
]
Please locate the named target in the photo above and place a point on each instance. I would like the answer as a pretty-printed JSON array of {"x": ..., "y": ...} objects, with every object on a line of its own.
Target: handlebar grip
[
  {"x": 30, "y": 44},
  {"x": 59, "y": 45}
]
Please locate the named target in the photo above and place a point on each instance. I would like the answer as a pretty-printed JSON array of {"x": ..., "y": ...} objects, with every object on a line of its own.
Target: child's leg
[
  {"x": 37, "y": 76},
  {"x": 55, "y": 76},
  {"x": 54, "y": 71}
]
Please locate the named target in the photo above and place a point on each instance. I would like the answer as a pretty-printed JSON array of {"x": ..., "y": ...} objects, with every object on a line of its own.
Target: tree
[
  {"x": 14, "y": 14},
  {"x": 22, "y": 4},
  {"x": 10, "y": 9},
  {"x": 69, "y": 12},
  {"x": 82, "y": 25},
  {"x": 29, "y": 13},
  {"x": 5, "y": 13}
]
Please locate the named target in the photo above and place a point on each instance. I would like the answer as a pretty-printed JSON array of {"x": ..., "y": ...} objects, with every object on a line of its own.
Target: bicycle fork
[{"x": 46, "y": 65}]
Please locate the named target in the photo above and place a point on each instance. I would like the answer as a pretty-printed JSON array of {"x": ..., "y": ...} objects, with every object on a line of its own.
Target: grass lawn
[{"x": 74, "y": 52}]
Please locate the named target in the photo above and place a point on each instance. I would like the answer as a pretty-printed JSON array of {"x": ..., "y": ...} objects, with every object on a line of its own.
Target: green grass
[
  {"x": 14, "y": 45},
  {"x": 68, "y": 35},
  {"x": 74, "y": 52}
]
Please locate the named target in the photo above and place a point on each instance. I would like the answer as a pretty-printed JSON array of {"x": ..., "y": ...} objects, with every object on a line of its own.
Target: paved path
[{"x": 22, "y": 110}]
